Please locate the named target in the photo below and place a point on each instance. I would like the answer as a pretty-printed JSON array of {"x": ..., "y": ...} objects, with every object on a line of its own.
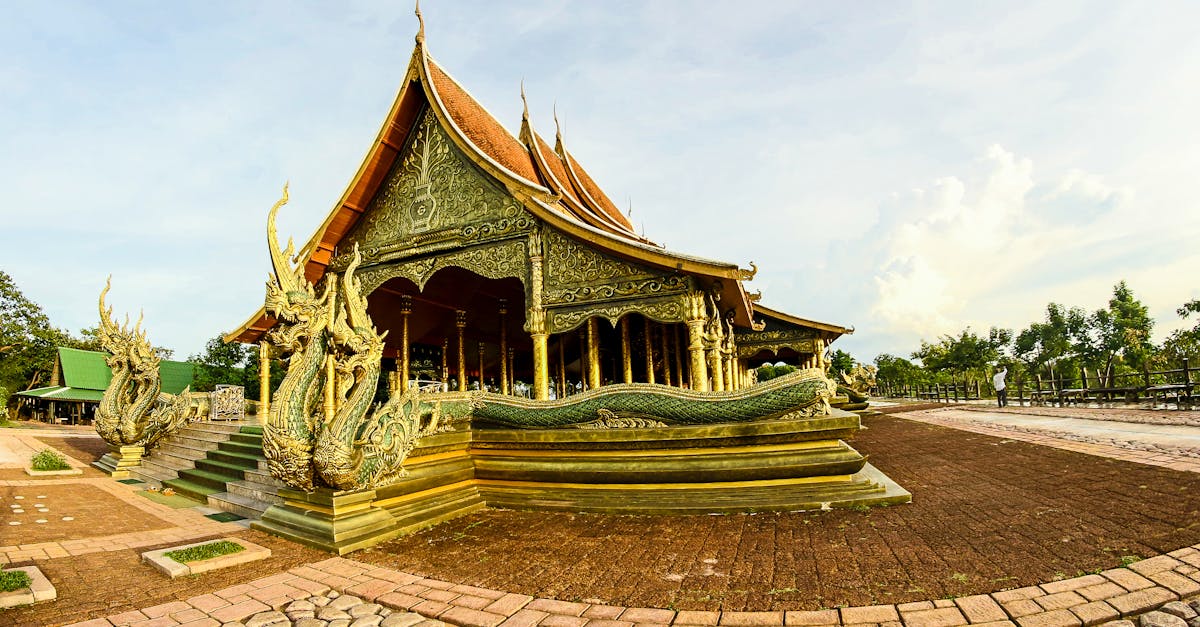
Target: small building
[{"x": 78, "y": 381}]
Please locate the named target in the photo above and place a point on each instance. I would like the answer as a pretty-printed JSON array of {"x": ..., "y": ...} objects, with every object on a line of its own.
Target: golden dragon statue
[
  {"x": 134, "y": 411},
  {"x": 320, "y": 429}
]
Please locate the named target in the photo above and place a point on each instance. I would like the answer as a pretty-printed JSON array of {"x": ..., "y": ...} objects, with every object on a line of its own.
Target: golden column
[
  {"x": 649, "y": 342},
  {"x": 330, "y": 380},
  {"x": 405, "y": 310},
  {"x": 264, "y": 379},
  {"x": 666, "y": 357},
  {"x": 695, "y": 324},
  {"x": 445, "y": 366},
  {"x": 712, "y": 341},
  {"x": 512, "y": 377},
  {"x": 460, "y": 321},
  {"x": 504, "y": 389},
  {"x": 593, "y": 352},
  {"x": 481, "y": 385},
  {"x": 562, "y": 368},
  {"x": 819, "y": 347},
  {"x": 626, "y": 356},
  {"x": 537, "y": 320},
  {"x": 583, "y": 374}
]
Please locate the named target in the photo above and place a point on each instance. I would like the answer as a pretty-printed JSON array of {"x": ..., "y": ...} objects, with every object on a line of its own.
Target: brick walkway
[
  {"x": 1076, "y": 602},
  {"x": 1080, "y": 601}
]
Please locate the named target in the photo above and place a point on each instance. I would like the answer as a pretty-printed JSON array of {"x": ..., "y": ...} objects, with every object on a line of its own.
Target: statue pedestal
[
  {"x": 119, "y": 459},
  {"x": 334, "y": 521}
]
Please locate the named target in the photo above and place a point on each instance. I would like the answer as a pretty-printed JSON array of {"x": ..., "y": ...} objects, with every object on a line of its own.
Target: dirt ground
[
  {"x": 987, "y": 514},
  {"x": 102, "y": 584},
  {"x": 84, "y": 449}
]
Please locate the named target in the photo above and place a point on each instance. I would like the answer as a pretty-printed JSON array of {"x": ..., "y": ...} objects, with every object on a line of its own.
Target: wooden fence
[{"x": 1166, "y": 386}]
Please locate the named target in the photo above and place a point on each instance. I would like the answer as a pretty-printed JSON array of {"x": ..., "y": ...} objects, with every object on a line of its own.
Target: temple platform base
[
  {"x": 334, "y": 521},
  {"x": 120, "y": 459}
]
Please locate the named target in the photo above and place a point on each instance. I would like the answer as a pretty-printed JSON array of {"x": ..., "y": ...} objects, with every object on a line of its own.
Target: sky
[{"x": 907, "y": 169}]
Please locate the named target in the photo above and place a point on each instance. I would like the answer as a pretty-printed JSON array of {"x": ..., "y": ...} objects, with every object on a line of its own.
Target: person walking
[{"x": 1001, "y": 388}]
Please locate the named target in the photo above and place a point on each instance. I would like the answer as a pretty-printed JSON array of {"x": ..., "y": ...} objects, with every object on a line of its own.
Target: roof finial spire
[
  {"x": 524, "y": 103},
  {"x": 421, "y": 28},
  {"x": 557, "y": 126}
]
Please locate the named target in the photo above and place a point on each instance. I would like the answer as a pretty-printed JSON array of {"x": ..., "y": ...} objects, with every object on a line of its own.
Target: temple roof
[
  {"x": 828, "y": 330},
  {"x": 550, "y": 183}
]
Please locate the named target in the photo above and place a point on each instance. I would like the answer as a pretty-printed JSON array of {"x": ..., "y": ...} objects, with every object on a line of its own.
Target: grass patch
[
  {"x": 49, "y": 459},
  {"x": 204, "y": 551},
  {"x": 14, "y": 580},
  {"x": 1129, "y": 559},
  {"x": 224, "y": 517}
]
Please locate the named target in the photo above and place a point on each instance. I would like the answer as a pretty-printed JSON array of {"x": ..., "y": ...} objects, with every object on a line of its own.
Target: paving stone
[
  {"x": 1057, "y": 618},
  {"x": 1060, "y": 601},
  {"x": 649, "y": 615},
  {"x": 264, "y": 619},
  {"x": 604, "y": 612},
  {"x": 553, "y": 606},
  {"x": 1106, "y": 590},
  {"x": 332, "y": 613},
  {"x": 822, "y": 617},
  {"x": 938, "y": 617},
  {"x": 1160, "y": 619},
  {"x": 508, "y": 604},
  {"x": 757, "y": 618},
  {"x": 1176, "y": 583},
  {"x": 402, "y": 619},
  {"x": 1119, "y": 623},
  {"x": 1153, "y": 565},
  {"x": 1127, "y": 579},
  {"x": 1095, "y": 612},
  {"x": 364, "y": 609},
  {"x": 471, "y": 618},
  {"x": 560, "y": 620},
  {"x": 345, "y": 602},
  {"x": 981, "y": 608},
  {"x": 864, "y": 614},
  {"x": 1180, "y": 609},
  {"x": 1141, "y": 601},
  {"x": 300, "y": 606},
  {"x": 915, "y": 605},
  {"x": 1074, "y": 583},
  {"x": 693, "y": 617},
  {"x": 1027, "y": 592},
  {"x": 299, "y": 614},
  {"x": 525, "y": 618},
  {"x": 310, "y": 622},
  {"x": 343, "y": 622},
  {"x": 372, "y": 620}
]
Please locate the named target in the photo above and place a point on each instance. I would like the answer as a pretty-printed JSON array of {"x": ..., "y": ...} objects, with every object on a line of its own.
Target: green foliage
[
  {"x": 767, "y": 372},
  {"x": 899, "y": 369},
  {"x": 840, "y": 361},
  {"x": 49, "y": 459},
  {"x": 965, "y": 354},
  {"x": 204, "y": 551},
  {"x": 27, "y": 339},
  {"x": 14, "y": 580},
  {"x": 231, "y": 364}
]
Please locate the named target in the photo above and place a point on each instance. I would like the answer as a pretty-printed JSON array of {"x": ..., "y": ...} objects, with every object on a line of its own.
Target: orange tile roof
[
  {"x": 480, "y": 127},
  {"x": 593, "y": 190},
  {"x": 562, "y": 185}
]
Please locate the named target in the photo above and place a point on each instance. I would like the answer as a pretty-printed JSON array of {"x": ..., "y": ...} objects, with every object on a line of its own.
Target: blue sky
[{"x": 906, "y": 169}]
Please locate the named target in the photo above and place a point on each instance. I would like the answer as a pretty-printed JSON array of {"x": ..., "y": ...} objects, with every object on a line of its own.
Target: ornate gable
[{"x": 433, "y": 199}]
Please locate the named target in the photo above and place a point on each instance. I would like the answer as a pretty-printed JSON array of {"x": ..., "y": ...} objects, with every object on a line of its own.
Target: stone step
[
  {"x": 257, "y": 491},
  {"x": 214, "y": 481},
  {"x": 211, "y": 427},
  {"x": 254, "y": 429},
  {"x": 190, "y": 489},
  {"x": 201, "y": 440},
  {"x": 241, "y": 460},
  {"x": 252, "y": 439},
  {"x": 262, "y": 476},
  {"x": 231, "y": 472},
  {"x": 244, "y": 506},
  {"x": 243, "y": 448},
  {"x": 152, "y": 475},
  {"x": 171, "y": 459}
]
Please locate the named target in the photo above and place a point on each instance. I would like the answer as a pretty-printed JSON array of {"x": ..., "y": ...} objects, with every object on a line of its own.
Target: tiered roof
[{"x": 550, "y": 183}]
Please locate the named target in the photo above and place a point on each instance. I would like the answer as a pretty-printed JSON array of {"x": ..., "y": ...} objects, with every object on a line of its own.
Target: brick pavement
[{"x": 1076, "y": 602}]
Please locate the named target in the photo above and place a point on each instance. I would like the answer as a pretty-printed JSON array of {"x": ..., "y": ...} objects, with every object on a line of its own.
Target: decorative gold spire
[
  {"x": 421, "y": 29},
  {"x": 524, "y": 103},
  {"x": 557, "y": 126}
]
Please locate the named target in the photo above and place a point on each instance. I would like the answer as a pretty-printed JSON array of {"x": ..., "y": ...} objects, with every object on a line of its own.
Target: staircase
[{"x": 221, "y": 464}]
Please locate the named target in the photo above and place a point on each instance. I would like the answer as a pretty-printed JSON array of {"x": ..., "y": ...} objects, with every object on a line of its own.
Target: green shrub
[
  {"x": 204, "y": 551},
  {"x": 49, "y": 459},
  {"x": 14, "y": 580}
]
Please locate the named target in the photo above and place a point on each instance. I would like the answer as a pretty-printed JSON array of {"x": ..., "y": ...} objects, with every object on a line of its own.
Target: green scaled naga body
[
  {"x": 320, "y": 430},
  {"x": 800, "y": 394},
  {"x": 133, "y": 410}
]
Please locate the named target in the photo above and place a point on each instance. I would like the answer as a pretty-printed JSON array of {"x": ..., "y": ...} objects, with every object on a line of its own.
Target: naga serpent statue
[
  {"x": 133, "y": 410},
  {"x": 857, "y": 383},
  {"x": 321, "y": 429}
]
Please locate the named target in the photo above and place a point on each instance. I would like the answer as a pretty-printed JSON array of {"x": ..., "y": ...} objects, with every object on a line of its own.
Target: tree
[
  {"x": 1046, "y": 343},
  {"x": 898, "y": 370},
  {"x": 840, "y": 361},
  {"x": 966, "y": 354},
  {"x": 1184, "y": 343},
  {"x": 1122, "y": 332},
  {"x": 222, "y": 363},
  {"x": 27, "y": 339},
  {"x": 277, "y": 372}
]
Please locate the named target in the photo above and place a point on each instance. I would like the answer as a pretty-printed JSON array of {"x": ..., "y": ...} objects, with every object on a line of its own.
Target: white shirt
[{"x": 998, "y": 379}]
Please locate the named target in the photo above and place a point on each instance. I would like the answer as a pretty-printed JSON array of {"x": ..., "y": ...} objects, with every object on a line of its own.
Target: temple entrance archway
[{"x": 487, "y": 314}]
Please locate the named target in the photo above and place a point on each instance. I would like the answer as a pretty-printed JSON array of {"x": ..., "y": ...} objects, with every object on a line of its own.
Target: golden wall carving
[
  {"x": 495, "y": 261},
  {"x": 668, "y": 309},
  {"x": 433, "y": 199},
  {"x": 799, "y": 340}
]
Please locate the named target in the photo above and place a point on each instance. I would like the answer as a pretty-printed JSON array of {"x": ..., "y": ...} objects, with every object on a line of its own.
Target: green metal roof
[
  {"x": 85, "y": 371},
  {"x": 65, "y": 394}
]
